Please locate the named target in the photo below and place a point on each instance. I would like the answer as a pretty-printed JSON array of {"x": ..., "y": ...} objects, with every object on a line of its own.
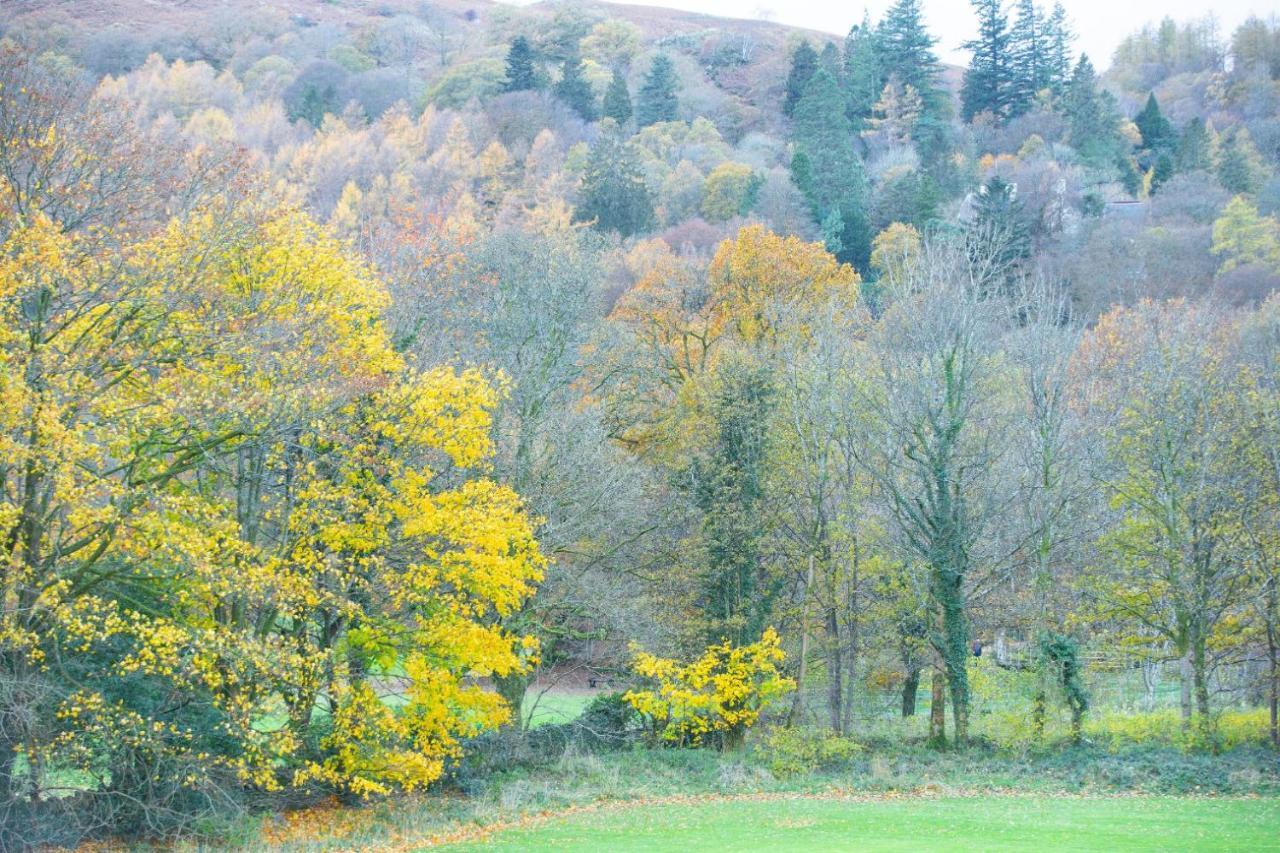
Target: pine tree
[
  {"x": 1195, "y": 148},
  {"x": 1029, "y": 69},
  {"x": 830, "y": 59},
  {"x": 997, "y": 237},
  {"x": 657, "y": 99},
  {"x": 1162, "y": 171},
  {"x": 521, "y": 74},
  {"x": 987, "y": 81},
  {"x": 1057, "y": 57},
  {"x": 614, "y": 194},
  {"x": 617, "y": 99},
  {"x": 824, "y": 137},
  {"x": 906, "y": 50},
  {"x": 802, "y": 173},
  {"x": 863, "y": 74},
  {"x": 1092, "y": 116},
  {"x": 574, "y": 90},
  {"x": 804, "y": 61},
  {"x": 1157, "y": 133},
  {"x": 736, "y": 592},
  {"x": 1130, "y": 175}
]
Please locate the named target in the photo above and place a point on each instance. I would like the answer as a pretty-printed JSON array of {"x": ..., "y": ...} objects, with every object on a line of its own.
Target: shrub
[
  {"x": 714, "y": 699},
  {"x": 1231, "y": 729},
  {"x": 608, "y": 722},
  {"x": 797, "y": 751}
]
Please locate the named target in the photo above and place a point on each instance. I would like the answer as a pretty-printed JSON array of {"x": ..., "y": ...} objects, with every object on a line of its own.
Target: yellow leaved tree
[
  {"x": 718, "y": 696},
  {"x": 245, "y": 543}
]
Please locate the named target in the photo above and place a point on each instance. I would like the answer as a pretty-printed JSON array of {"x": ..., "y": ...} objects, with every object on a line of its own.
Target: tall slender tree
[
  {"x": 657, "y": 100},
  {"x": 574, "y": 90},
  {"x": 1093, "y": 118},
  {"x": 1157, "y": 132},
  {"x": 804, "y": 61},
  {"x": 617, "y": 99},
  {"x": 824, "y": 137},
  {"x": 1057, "y": 39},
  {"x": 906, "y": 50},
  {"x": 521, "y": 74},
  {"x": 1195, "y": 147},
  {"x": 863, "y": 70},
  {"x": 1028, "y": 60},
  {"x": 988, "y": 81}
]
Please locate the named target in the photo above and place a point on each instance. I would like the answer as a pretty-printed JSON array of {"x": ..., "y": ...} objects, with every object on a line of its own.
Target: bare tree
[{"x": 935, "y": 436}]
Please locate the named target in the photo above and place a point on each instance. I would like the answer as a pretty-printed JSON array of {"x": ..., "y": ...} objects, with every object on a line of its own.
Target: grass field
[
  {"x": 906, "y": 823},
  {"x": 554, "y": 706}
]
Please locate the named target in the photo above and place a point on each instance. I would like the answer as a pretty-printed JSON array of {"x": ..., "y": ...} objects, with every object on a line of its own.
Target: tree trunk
[
  {"x": 910, "y": 686},
  {"x": 1186, "y": 673},
  {"x": 1200, "y": 672},
  {"x": 1038, "y": 708},
  {"x": 938, "y": 709},
  {"x": 851, "y": 645},
  {"x": 797, "y": 702},
  {"x": 960, "y": 707},
  {"x": 1077, "y": 722},
  {"x": 1273, "y": 658},
  {"x": 835, "y": 672},
  {"x": 955, "y": 629}
]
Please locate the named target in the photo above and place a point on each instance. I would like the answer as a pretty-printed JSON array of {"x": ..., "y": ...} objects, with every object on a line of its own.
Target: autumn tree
[
  {"x": 930, "y": 441},
  {"x": 1173, "y": 478},
  {"x": 1242, "y": 237},
  {"x": 729, "y": 191}
]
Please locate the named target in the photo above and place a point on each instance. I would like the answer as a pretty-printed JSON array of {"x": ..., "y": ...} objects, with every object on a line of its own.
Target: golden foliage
[{"x": 724, "y": 691}]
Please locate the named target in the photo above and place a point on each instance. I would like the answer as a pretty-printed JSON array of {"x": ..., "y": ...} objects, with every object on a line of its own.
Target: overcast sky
[{"x": 1100, "y": 24}]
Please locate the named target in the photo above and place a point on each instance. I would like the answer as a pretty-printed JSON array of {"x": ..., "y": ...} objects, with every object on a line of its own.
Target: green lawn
[
  {"x": 554, "y": 706},
  {"x": 970, "y": 823}
]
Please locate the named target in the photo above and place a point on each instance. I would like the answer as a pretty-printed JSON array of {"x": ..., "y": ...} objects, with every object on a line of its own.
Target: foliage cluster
[{"x": 719, "y": 695}]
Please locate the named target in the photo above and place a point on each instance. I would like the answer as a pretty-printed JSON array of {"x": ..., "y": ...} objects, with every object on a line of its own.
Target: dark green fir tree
[
  {"x": 657, "y": 100},
  {"x": 521, "y": 73}
]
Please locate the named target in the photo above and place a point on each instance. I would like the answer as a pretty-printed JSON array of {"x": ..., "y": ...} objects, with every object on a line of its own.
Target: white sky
[{"x": 1098, "y": 24}]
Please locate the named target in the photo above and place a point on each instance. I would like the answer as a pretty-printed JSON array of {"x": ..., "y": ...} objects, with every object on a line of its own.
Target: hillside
[{"x": 419, "y": 416}]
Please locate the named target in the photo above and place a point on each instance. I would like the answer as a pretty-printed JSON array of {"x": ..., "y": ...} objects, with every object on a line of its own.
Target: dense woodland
[{"x": 364, "y": 364}]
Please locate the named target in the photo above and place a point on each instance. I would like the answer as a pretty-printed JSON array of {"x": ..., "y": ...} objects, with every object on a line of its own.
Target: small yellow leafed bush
[
  {"x": 797, "y": 751},
  {"x": 720, "y": 695},
  {"x": 1230, "y": 729}
]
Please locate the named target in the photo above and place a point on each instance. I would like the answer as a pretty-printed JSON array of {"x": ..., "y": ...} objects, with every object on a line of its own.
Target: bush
[
  {"x": 714, "y": 699},
  {"x": 608, "y": 722},
  {"x": 1165, "y": 727},
  {"x": 798, "y": 751}
]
